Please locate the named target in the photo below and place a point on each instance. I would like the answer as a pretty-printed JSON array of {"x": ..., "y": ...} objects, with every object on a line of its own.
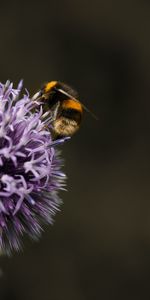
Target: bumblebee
[{"x": 60, "y": 99}]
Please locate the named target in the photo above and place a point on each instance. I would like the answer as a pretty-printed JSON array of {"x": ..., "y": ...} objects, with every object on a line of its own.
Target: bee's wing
[
  {"x": 71, "y": 97},
  {"x": 90, "y": 112}
]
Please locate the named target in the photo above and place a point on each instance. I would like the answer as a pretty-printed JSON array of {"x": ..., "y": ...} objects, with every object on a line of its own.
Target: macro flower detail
[{"x": 30, "y": 168}]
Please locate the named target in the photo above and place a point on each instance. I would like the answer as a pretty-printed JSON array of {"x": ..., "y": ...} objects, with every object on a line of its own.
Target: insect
[{"x": 62, "y": 101}]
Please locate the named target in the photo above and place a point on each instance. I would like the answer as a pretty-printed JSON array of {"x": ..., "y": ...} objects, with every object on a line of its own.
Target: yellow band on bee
[
  {"x": 50, "y": 85},
  {"x": 72, "y": 104}
]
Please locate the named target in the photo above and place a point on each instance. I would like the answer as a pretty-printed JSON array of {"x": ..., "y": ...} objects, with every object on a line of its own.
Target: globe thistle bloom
[{"x": 30, "y": 169}]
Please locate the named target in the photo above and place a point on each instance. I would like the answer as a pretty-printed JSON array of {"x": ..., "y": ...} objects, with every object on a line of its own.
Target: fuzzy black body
[{"x": 61, "y": 99}]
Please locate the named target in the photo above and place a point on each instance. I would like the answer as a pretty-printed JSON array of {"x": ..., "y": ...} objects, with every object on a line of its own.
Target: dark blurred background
[{"x": 99, "y": 246}]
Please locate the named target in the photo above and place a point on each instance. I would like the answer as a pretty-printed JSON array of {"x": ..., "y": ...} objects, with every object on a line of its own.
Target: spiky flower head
[{"x": 30, "y": 169}]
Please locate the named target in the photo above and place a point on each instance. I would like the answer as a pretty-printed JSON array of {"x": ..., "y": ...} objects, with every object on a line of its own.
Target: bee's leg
[
  {"x": 55, "y": 111},
  {"x": 54, "y": 117}
]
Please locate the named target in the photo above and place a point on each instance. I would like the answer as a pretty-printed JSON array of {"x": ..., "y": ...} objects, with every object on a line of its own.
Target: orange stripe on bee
[
  {"x": 49, "y": 86},
  {"x": 72, "y": 104}
]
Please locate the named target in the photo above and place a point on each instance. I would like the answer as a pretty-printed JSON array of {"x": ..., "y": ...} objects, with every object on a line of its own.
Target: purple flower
[{"x": 30, "y": 169}]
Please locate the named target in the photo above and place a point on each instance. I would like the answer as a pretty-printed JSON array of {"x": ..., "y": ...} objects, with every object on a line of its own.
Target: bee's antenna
[{"x": 36, "y": 96}]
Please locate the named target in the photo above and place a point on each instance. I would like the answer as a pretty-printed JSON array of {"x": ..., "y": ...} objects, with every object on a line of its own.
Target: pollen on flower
[{"x": 30, "y": 169}]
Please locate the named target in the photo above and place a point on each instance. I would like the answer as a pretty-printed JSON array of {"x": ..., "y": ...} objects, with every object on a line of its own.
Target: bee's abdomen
[
  {"x": 72, "y": 110},
  {"x": 65, "y": 127},
  {"x": 72, "y": 114}
]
